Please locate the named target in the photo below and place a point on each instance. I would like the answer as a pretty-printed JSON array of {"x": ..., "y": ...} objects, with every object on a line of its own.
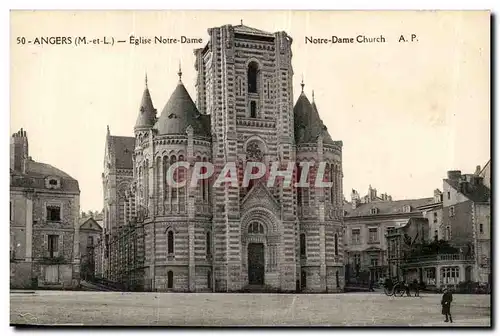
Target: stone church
[{"x": 225, "y": 238}]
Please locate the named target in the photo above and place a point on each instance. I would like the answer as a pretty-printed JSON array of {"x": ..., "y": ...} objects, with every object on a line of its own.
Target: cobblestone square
[{"x": 215, "y": 309}]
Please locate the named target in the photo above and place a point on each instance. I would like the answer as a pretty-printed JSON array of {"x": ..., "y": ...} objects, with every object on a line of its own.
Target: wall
[
  {"x": 482, "y": 215},
  {"x": 435, "y": 223},
  {"x": 460, "y": 223}
]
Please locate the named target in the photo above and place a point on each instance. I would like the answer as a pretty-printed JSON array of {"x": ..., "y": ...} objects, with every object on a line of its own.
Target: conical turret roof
[
  {"x": 308, "y": 124},
  {"x": 181, "y": 112},
  {"x": 147, "y": 112}
]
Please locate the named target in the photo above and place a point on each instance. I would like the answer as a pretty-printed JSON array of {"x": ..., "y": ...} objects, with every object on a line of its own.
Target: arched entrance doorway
[
  {"x": 256, "y": 267},
  {"x": 256, "y": 254}
]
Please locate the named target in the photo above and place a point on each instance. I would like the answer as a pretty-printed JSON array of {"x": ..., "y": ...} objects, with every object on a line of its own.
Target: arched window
[
  {"x": 170, "y": 279},
  {"x": 302, "y": 244},
  {"x": 327, "y": 178},
  {"x": 206, "y": 185},
  {"x": 158, "y": 185},
  {"x": 333, "y": 174},
  {"x": 252, "y": 74},
  {"x": 166, "y": 185},
  {"x": 170, "y": 242},
  {"x": 337, "y": 279},
  {"x": 202, "y": 182},
  {"x": 209, "y": 244},
  {"x": 175, "y": 177},
  {"x": 336, "y": 244},
  {"x": 256, "y": 228},
  {"x": 299, "y": 189}
]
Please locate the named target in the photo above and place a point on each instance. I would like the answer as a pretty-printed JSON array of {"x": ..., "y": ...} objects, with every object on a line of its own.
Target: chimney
[
  {"x": 478, "y": 170},
  {"x": 454, "y": 175},
  {"x": 372, "y": 193},
  {"x": 19, "y": 151},
  {"x": 355, "y": 199},
  {"x": 438, "y": 196}
]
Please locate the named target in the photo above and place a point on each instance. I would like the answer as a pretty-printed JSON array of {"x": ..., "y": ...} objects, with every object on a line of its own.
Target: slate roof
[
  {"x": 36, "y": 174},
  {"x": 386, "y": 207},
  {"x": 123, "y": 148},
  {"x": 476, "y": 193},
  {"x": 181, "y": 112},
  {"x": 307, "y": 122},
  {"x": 147, "y": 112},
  {"x": 242, "y": 29}
]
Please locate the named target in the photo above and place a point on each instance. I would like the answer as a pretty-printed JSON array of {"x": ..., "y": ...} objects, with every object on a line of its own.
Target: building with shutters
[
  {"x": 44, "y": 222},
  {"x": 225, "y": 238},
  {"x": 367, "y": 221}
]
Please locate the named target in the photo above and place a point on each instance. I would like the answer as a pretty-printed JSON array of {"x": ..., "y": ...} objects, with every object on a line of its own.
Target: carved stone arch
[
  {"x": 255, "y": 60},
  {"x": 122, "y": 189},
  {"x": 263, "y": 215},
  {"x": 255, "y": 148}
]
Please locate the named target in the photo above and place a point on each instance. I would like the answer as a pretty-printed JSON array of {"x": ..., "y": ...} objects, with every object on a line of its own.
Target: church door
[{"x": 256, "y": 264}]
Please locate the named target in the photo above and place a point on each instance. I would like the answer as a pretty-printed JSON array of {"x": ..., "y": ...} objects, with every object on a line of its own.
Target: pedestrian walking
[{"x": 446, "y": 304}]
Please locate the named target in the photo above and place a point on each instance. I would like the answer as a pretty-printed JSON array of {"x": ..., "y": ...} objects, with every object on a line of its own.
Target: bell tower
[{"x": 245, "y": 83}]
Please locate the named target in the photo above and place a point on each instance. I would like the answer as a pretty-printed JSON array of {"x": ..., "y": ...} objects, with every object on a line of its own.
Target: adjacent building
[
  {"x": 90, "y": 233},
  {"x": 44, "y": 222},
  {"x": 467, "y": 219},
  {"x": 367, "y": 222},
  {"x": 461, "y": 248}
]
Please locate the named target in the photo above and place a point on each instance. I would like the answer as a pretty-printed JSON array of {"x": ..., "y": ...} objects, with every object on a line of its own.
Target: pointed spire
[
  {"x": 241, "y": 22},
  {"x": 147, "y": 112},
  {"x": 313, "y": 96},
  {"x": 302, "y": 84},
  {"x": 179, "y": 73}
]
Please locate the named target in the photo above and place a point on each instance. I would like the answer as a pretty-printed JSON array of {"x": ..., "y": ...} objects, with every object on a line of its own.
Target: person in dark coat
[{"x": 446, "y": 304}]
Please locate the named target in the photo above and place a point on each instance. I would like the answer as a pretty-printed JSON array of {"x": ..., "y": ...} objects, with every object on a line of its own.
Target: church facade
[{"x": 204, "y": 237}]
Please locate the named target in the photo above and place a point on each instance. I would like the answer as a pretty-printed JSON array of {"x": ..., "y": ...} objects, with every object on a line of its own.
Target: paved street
[{"x": 175, "y": 309}]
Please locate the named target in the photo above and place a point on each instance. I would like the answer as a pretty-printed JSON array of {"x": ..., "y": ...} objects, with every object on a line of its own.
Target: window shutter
[
  {"x": 45, "y": 245},
  {"x": 60, "y": 245}
]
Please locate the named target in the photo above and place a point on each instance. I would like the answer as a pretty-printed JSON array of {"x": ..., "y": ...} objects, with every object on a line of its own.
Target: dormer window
[
  {"x": 374, "y": 211},
  {"x": 52, "y": 183},
  {"x": 407, "y": 208}
]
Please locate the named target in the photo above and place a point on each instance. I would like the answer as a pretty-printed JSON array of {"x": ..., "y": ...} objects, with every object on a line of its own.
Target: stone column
[{"x": 438, "y": 276}]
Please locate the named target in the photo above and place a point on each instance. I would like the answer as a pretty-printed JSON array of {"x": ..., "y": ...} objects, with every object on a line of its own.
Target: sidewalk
[
  {"x": 476, "y": 322},
  {"x": 22, "y": 291}
]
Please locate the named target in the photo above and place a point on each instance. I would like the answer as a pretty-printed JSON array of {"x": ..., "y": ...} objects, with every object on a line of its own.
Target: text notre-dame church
[{"x": 225, "y": 238}]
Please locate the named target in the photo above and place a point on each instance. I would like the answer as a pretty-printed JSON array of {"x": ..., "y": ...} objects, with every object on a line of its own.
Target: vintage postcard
[{"x": 250, "y": 168}]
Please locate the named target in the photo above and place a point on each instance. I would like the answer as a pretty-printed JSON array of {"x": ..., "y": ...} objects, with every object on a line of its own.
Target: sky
[{"x": 406, "y": 112}]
